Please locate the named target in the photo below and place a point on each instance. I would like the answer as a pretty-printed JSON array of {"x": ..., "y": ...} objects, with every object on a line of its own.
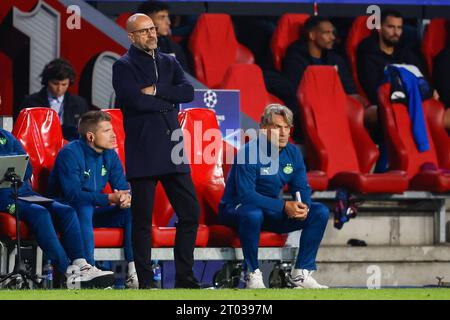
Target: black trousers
[{"x": 181, "y": 193}]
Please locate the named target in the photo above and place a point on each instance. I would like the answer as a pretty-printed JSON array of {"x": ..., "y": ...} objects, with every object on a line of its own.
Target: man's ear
[
  {"x": 90, "y": 136},
  {"x": 131, "y": 38}
]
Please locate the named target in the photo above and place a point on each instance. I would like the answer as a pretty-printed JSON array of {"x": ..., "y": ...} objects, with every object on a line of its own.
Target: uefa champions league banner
[{"x": 225, "y": 103}]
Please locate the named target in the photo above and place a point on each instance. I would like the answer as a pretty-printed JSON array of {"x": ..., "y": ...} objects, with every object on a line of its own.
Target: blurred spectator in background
[
  {"x": 315, "y": 47},
  {"x": 159, "y": 12},
  {"x": 379, "y": 50},
  {"x": 57, "y": 76}
]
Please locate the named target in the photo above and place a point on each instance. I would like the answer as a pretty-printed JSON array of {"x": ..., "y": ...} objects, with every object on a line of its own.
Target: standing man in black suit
[{"x": 149, "y": 86}]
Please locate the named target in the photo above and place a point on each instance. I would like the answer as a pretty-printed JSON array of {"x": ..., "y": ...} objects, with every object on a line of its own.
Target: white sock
[
  {"x": 257, "y": 271},
  {"x": 80, "y": 263},
  {"x": 131, "y": 268}
]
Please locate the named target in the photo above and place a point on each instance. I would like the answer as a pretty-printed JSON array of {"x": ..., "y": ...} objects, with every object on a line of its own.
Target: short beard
[{"x": 388, "y": 42}]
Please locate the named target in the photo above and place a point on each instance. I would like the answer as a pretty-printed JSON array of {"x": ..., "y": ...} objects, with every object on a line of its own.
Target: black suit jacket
[
  {"x": 74, "y": 108},
  {"x": 150, "y": 120}
]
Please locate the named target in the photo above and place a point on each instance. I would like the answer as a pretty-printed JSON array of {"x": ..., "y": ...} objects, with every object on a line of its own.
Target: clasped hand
[
  {"x": 296, "y": 210},
  {"x": 121, "y": 198}
]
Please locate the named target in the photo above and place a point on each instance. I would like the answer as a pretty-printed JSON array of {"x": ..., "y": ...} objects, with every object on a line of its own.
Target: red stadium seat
[
  {"x": 39, "y": 132},
  {"x": 117, "y": 124},
  {"x": 356, "y": 34},
  {"x": 8, "y": 228},
  {"x": 208, "y": 178},
  {"x": 288, "y": 29},
  {"x": 122, "y": 19},
  {"x": 434, "y": 40},
  {"x": 214, "y": 47},
  {"x": 248, "y": 78},
  {"x": 402, "y": 150},
  {"x": 318, "y": 180},
  {"x": 336, "y": 140}
]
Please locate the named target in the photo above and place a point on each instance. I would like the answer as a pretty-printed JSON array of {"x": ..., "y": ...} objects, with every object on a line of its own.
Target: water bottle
[
  {"x": 156, "y": 274},
  {"x": 47, "y": 273}
]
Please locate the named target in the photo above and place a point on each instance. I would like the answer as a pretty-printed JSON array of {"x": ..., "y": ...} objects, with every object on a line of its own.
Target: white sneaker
[
  {"x": 255, "y": 280},
  {"x": 302, "y": 279},
  {"x": 132, "y": 281},
  {"x": 88, "y": 277}
]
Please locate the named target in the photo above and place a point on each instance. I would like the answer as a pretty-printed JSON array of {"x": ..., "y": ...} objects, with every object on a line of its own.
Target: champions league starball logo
[{"x": 210, "y": 99}]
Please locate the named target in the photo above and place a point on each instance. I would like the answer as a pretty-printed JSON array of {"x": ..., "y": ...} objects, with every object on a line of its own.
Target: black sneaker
[{"x": 188, "y": 282}]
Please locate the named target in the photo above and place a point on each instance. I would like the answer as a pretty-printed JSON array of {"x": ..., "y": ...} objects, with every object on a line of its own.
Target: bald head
[
  {"x": 136, "y": 20},
  {"x": 142, "y": 32}
]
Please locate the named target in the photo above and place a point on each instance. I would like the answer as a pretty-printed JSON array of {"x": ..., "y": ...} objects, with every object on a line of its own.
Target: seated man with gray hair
[{"x": 252, "y": 199}]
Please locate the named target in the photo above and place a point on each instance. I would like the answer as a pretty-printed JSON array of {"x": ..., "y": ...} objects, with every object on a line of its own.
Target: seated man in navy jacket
[
  {"x": 252, "y": 201},
  {"x": 38, "y": 217},
  {"x": 315, "y": 47},
  {"x": 81, "y": 171},
  {"x": 58, "y": 75}
]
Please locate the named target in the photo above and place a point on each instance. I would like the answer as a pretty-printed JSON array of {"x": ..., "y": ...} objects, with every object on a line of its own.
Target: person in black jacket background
[
  {"x": 374, "y": 53},
  {"x": 381, "y": 49},
  {"x": 57, "y": 76},
  {"x": 315, "y": 47}
]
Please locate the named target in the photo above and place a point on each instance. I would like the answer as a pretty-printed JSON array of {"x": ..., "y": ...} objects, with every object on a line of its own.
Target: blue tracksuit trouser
[
  {"x": 91, "y": 217},
  {"x": 249, "y": 220},
  {"x": 41, "y": 218}
]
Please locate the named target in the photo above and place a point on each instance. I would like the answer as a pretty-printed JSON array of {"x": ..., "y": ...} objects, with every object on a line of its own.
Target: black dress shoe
[{"x": 188, "y": 282}]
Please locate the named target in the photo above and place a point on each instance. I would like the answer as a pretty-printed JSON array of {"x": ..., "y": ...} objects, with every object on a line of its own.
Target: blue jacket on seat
[
  {"x": 411, "y": 84},
  {"x": 80, "y": 173}
]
